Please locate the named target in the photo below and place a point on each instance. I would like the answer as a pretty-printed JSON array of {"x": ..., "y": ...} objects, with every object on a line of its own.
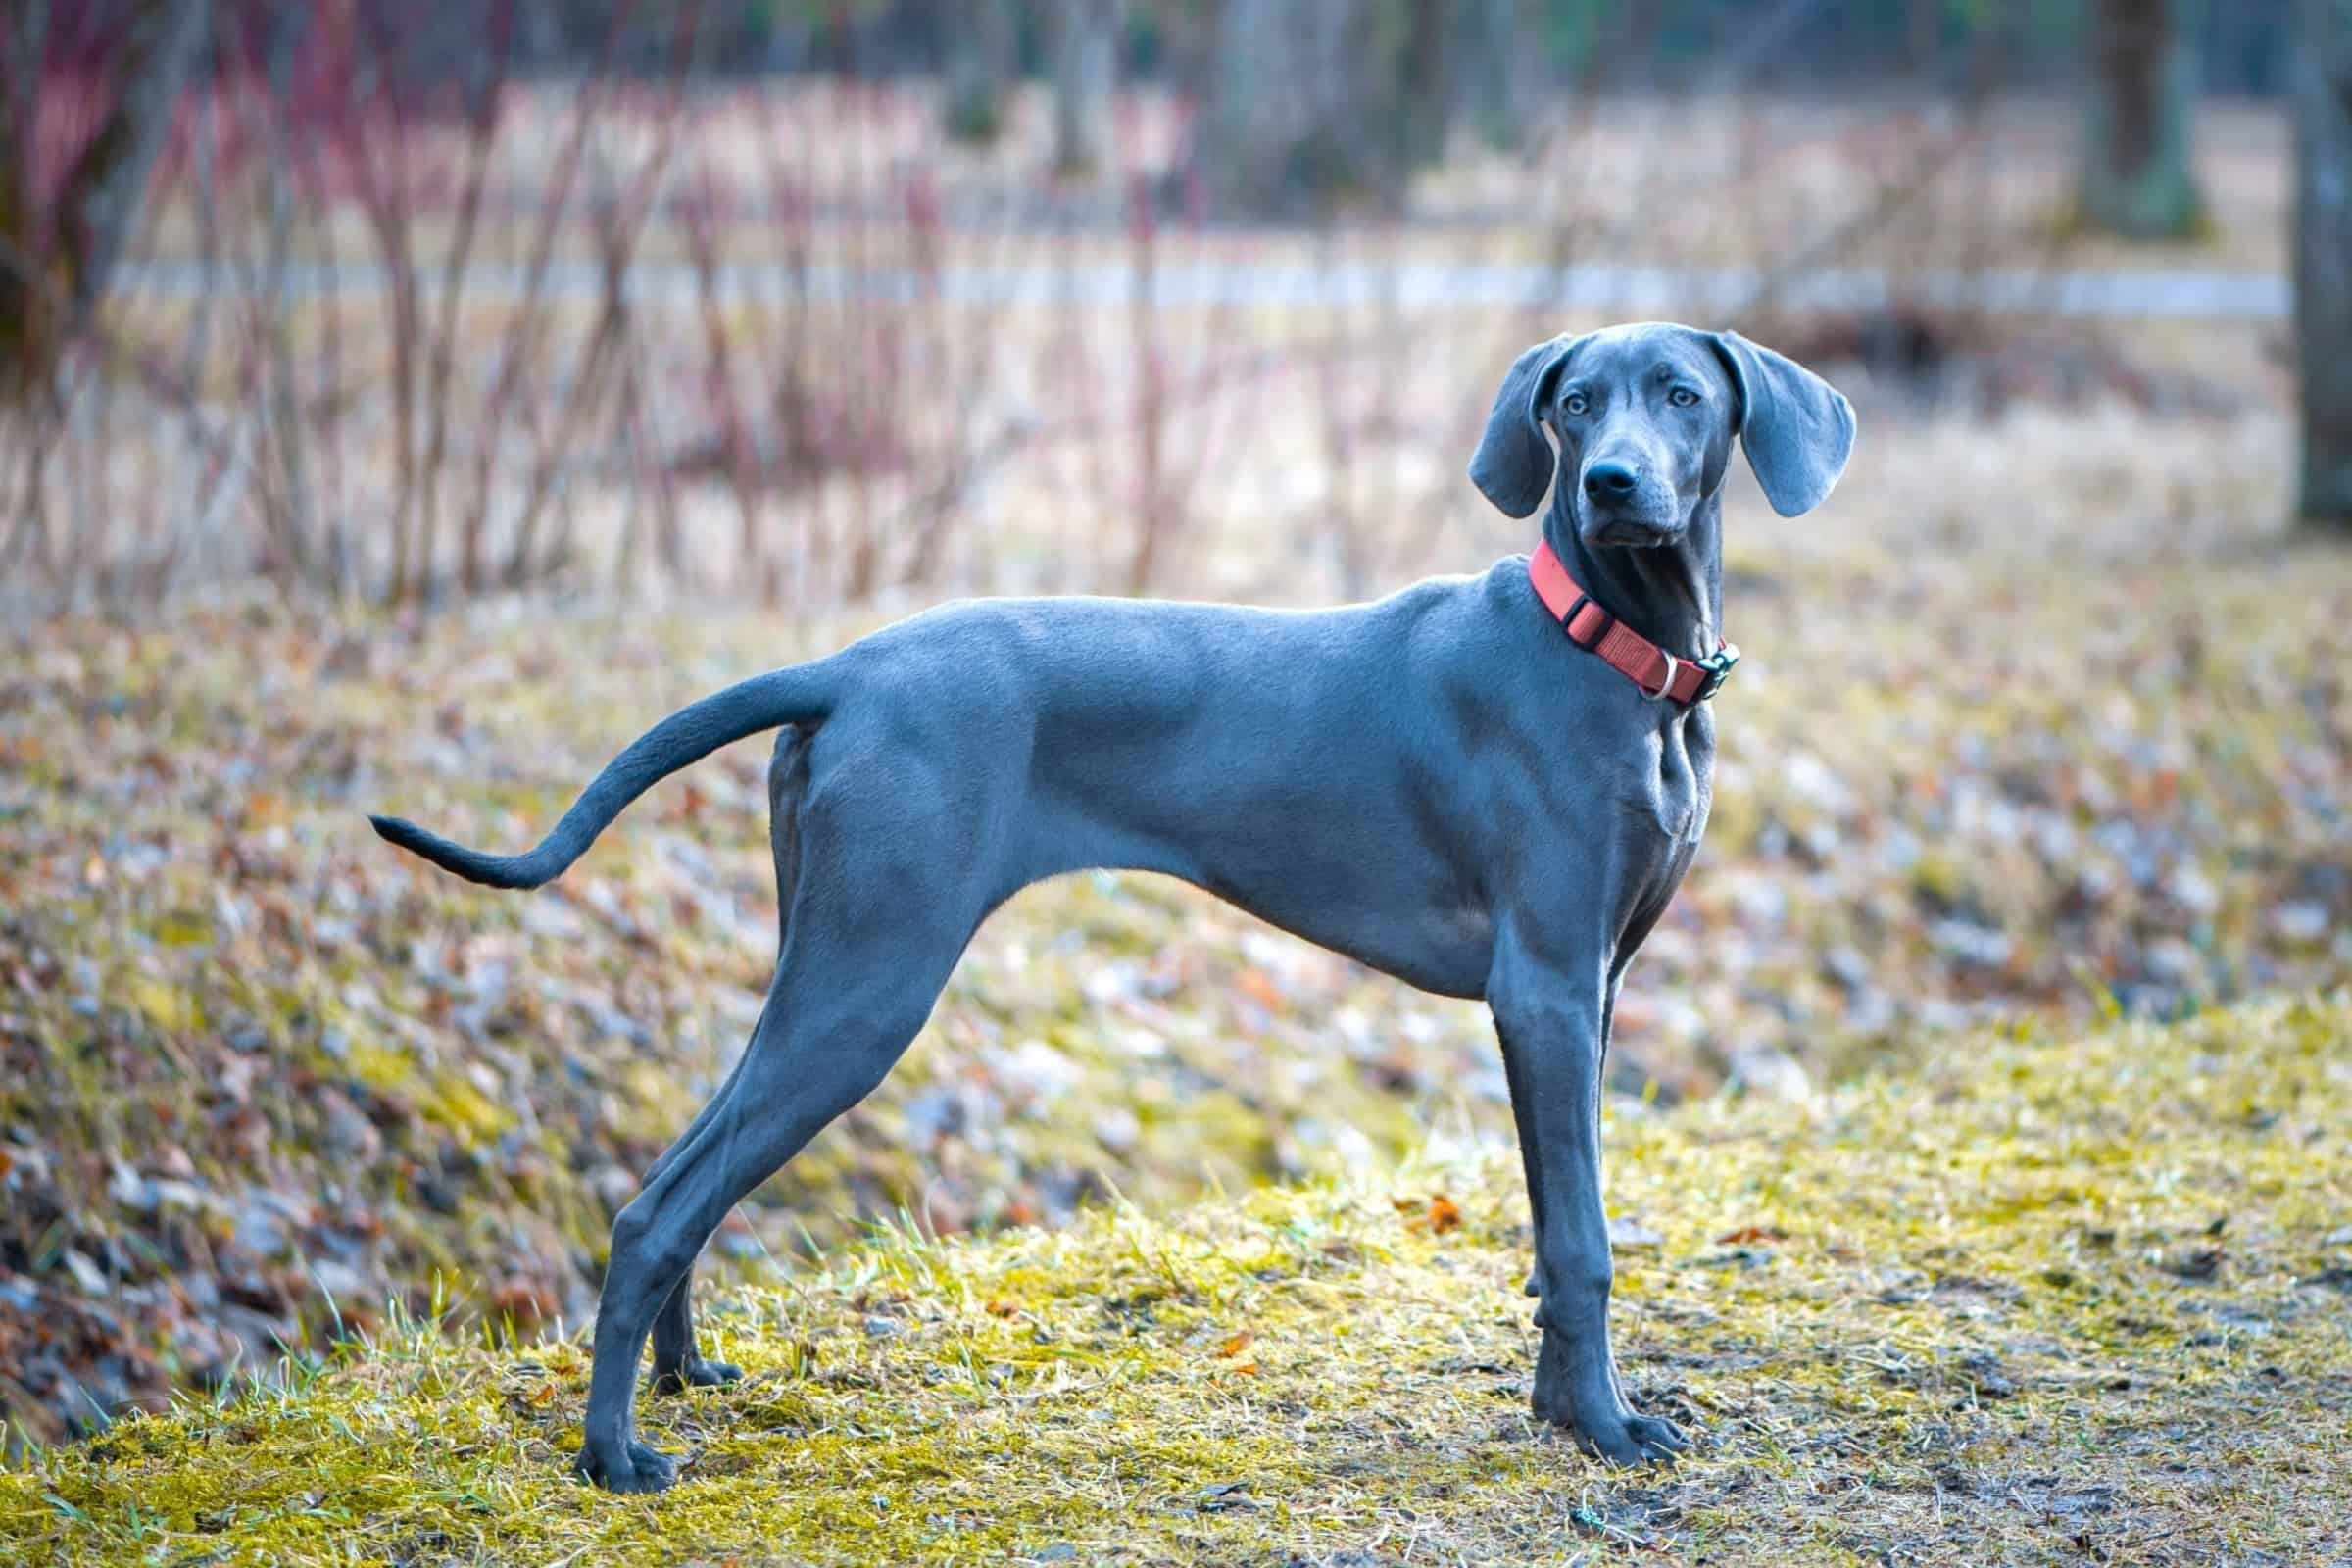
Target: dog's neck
[{"x": 1672, "y": 595}]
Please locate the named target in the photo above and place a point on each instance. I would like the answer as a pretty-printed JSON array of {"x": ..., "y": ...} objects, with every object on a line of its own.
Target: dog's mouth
[
  {"x": 1631, "y": 533},
  {"x": 1645, "y": 519}
]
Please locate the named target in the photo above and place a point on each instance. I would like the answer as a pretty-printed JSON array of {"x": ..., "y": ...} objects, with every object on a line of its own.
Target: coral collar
[{"x": 1656, "y": 671}]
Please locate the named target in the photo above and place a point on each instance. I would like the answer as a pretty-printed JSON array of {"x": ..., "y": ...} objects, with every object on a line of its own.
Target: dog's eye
[
  {"x": 1574, "y": 402},
  {"x": 1682, "y": 397}
]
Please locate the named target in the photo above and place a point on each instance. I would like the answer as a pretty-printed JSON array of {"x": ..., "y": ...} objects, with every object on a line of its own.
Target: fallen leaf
[
  {"x": 1633, "y": 1233},
  {"x": 2193, "y": 1263}
]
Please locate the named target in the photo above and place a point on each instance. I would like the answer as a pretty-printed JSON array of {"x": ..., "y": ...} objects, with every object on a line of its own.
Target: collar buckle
[{"x": 1718, "y": 664}]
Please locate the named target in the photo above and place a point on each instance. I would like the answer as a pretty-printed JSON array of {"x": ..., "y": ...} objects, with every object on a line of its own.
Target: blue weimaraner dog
[{"x": 1441, "y": 785}]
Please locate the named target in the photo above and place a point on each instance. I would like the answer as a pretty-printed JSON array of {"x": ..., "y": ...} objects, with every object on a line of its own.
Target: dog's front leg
[{"x": 1550, "y": 1018}]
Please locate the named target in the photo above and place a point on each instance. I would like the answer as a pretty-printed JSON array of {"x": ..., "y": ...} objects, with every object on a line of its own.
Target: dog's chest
[{"x": 1677, "y": 774}]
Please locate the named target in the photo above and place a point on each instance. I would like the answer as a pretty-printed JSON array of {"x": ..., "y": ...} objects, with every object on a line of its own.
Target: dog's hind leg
[
  {"x": 877, "y": 924},
  {"x": 678, "y": 1363},
  {"x": 798, "y": 1074}
]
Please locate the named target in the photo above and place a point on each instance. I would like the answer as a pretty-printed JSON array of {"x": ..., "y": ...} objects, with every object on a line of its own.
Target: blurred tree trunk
[
  {"x": 1922, "y": 36},
  {"x": 979, "y": 39},
  {"x": 1085, "y": 60},
  {"x": 1499, "y": 77},
  {"x": 53, "y": 274},
  {"x": 2323, "y": 97},
  {"x": 2138, "y": 177},
  {"x": 1270, "y": 135},
  {"x": 1316, "y": 104},
  {"x": 33, "y": 292},
  {"x": 1423, "y": 78}
]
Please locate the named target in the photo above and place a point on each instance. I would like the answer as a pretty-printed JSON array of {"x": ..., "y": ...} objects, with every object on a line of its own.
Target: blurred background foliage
[{"x": 434, "y": 253}]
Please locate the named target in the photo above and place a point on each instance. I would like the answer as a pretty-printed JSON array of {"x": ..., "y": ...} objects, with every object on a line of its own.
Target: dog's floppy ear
[
  {"x": 1512, "y": 465},
  {"x": 1798, "y": 428}
]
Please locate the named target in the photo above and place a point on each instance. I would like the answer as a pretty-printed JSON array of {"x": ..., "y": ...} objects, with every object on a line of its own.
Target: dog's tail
[{"x": 801, "y": 694}]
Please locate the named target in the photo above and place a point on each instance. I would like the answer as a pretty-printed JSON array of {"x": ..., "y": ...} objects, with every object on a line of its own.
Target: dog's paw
[
  {"x": 1638, "y": 1440},
  {"x": 695, "y": 1374},
  {"x": 634, "y": 1467},
  {"x": 1592, "y": 1410},
  {"x": 1619, "y": 1437}
]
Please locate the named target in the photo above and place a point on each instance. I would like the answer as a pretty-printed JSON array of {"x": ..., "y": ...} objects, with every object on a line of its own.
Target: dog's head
[{"x": 1645, "y": 415}]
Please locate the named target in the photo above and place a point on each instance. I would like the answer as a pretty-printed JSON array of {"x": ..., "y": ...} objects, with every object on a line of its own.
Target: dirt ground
[{"x": 2041, "y": 1296}]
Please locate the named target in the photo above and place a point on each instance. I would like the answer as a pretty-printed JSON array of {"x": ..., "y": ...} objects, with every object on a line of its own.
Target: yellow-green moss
[{"x": 2033, "y": 1300}]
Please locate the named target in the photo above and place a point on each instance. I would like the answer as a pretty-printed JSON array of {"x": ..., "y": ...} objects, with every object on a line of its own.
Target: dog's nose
[{"x": 1610, "y": 481}]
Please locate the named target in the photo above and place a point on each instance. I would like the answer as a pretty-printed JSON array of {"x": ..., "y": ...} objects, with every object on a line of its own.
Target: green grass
[
  {"x": 2033, "y": 1297},
  {"x": 261, "y": 1076}
]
